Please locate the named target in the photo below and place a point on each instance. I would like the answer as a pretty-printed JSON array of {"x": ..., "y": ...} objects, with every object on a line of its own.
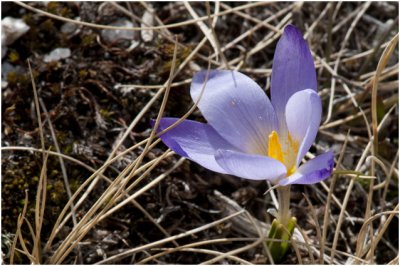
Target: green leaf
[{"x": 279, "y": 232}]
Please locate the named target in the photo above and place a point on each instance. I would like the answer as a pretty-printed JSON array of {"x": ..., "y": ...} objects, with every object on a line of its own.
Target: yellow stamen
[
  {"x": 291, "y": 170},
  {"x": 274, "y": 147},
  {"x": 287, "y": 155},
  {"x": 294, "y": 144}
]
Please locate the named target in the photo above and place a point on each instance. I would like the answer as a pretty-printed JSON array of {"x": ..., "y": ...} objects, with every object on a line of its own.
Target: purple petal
[
  {"x": 194, "y": 140},
  {"x": 250, "y": 166},
  {"x": 236, "y": 107},
  {"x": 292, "y": 69},
  {"x": 303, "y": 116},
  {"x": 312, "y": 172}
]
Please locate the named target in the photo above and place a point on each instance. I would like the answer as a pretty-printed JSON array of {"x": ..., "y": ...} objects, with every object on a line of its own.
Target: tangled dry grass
[{"x": 86, "y": 180}]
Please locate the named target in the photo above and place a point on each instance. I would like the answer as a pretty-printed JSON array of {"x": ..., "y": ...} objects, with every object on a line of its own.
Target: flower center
[{"x": 285, "y": 153}]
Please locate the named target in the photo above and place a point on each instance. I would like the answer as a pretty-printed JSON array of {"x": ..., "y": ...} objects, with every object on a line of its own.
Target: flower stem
[
  {"x": 284, "y": 204},
  {"x": 282, "y": 227}
]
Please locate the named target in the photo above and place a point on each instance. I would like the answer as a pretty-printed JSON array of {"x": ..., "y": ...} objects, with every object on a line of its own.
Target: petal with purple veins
[
  {"x": 303, "y": 116},
  {"x": 312, "y": 172},
  {"x": 292, "y": 69},
  {"x": 195, "y": 141},
  {"x": 250, "y": 166},
  {"x": 236, "y": 107}
]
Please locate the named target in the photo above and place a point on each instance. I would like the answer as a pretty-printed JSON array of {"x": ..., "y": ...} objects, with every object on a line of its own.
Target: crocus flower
[{"x": 249, "y": 136}]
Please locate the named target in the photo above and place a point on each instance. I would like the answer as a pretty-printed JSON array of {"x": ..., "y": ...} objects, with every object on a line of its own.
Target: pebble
[
  {"x": 70, "y": 28},
  {"x": 11, "y": 30},
  {"x": 148, "y": 21},
  {"x": 7, "y": 68},
  {"x": 113, "y": 36},
  {"x": 57, "y": 54}
]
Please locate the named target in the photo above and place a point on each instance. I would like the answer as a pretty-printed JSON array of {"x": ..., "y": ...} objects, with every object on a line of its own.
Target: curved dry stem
[
  {"x": 132, "y": 251},
  {"x": 167, "y": 251},
  {"x": 341, "y": 51},
  {"x": 169, "y": 26}
]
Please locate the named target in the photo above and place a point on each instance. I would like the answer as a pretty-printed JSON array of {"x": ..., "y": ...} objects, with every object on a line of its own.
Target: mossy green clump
[
  {"x": 106, "y": 114},
  {"x": 167, "y": 52},
  {"x": 89, "y": 40},
  {"x": 83, "y": 73},
  {"x": 56, "y": 194},
  {"x": 17, "y": 79},
  {"x": 13, "y": 56},
  {"x": 19, "y": 177},
  {"x": 59, "y": 8},
  {"x": 16, "y": 179}
]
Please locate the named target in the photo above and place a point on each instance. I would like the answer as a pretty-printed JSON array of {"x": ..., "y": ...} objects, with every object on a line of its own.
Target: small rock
[
  {"x": 57, "y": 54},
  {"x": 7, "y": 68},
  {"x": 70, "y": 28},
  {"x": 114, "y": 36},
  {"x": 148, "y": 21},
  {"x": 12, "y": 29}
]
